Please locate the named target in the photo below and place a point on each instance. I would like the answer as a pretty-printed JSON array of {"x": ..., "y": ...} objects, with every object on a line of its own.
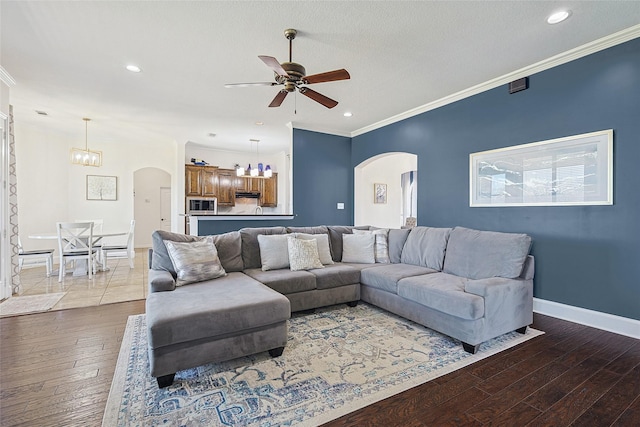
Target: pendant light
[{"x": 86, "y": 157}]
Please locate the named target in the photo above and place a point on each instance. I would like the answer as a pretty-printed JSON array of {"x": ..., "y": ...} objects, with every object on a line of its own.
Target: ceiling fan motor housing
[{"x": 295, "y": 71}]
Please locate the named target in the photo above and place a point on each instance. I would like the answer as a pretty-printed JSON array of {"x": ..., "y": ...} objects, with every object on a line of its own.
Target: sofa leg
[
  {"x": 352, "y": 303},
  {"x": 276, "y": 352},
  {"x": 522, "y": 330},
  {"x": 470, "y": 348},
  {"x": 165, "y": 380}
]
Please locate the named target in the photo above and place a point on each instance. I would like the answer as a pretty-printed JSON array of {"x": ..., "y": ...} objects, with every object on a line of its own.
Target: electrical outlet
[{"x": 340, "y": 205}]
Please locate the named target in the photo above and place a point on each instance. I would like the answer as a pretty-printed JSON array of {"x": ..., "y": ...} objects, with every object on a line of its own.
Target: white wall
[
  {"x": 148, "y": 182},
  {"x": 386, "y": 169},
  {"x": 50, "y": 189},
  {"x": 228, "y": 159}
]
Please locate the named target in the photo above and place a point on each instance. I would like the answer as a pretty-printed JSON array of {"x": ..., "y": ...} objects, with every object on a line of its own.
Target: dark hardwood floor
[{"x": 56, "y": 370}]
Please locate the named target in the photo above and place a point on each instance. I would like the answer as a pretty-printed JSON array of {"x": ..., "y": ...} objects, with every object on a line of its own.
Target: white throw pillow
[
  {"x": 382, "y": 243},
  {"x": 323, "y": 245},
  {"x": 303, "y": 254},
  {"x": 274, "y": 253},
  {"x": 358, "y": 248},
  {"x": 195, "y": 261}
]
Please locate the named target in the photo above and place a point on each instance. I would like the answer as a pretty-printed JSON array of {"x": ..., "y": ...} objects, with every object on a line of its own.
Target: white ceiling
[{"x": 68, "y": 59}]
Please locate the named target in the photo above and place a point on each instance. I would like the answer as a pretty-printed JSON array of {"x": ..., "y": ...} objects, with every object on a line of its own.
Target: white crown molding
[
  {"x": 562, "y": 58},
  {"x": 6, "y": 78},
  {"x": 607, "y": 322},
  {"x": 321, "y": 129}
]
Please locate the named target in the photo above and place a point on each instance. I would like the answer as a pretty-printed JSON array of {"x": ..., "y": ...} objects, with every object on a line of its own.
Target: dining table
[{"x": 81, "y": 268}]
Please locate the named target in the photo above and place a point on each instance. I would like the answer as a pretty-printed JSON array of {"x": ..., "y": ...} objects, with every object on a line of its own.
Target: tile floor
[{"x": 120, "y": 283}]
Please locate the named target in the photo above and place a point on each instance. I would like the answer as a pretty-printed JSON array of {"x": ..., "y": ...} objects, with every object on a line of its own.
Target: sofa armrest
[
  {"x": 529, "y": 268},
  {"x": 161, "y": 280}
]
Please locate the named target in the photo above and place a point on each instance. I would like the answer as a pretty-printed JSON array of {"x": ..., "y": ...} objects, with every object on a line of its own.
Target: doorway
[
  {"x": 152, "y": 200},
  {"x": 386, "y": 169}
]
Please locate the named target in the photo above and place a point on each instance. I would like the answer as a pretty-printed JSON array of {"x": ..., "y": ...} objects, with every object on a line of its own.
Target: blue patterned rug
[{"x": 337, "y": 360}]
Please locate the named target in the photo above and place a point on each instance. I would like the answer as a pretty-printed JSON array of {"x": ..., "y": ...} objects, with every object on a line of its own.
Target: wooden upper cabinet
[
  {"x": 269, "y": 192},
  {"x": 226, "y": 187},
  {"x": 193, "y": 180},
  {"x": 201, "y": 181}
]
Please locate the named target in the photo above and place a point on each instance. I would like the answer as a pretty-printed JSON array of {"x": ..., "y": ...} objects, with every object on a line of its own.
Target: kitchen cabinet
[
  {"x": 269, "y": 193},
  {"x": 201, "y": 181},
  {"x": 248, "y": 184},
  {"x": 226, "y": 187}
]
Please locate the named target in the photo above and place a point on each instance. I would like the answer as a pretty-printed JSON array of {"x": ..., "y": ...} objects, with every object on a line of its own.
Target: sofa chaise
[{"x": 469, "y": 284}]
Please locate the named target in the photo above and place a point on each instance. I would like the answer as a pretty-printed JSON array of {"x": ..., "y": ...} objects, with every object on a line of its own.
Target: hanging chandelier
[
  {"x": 258, "y": 172},
  {"x": 86, "y": 157}
]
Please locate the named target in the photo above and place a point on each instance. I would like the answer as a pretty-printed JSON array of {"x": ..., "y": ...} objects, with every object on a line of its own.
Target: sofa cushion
[
  {"x": 381, "y": 248},
  {"x": 335, "y": 238},
  {"x": 324, "y": 250},
  {"x": 235, "y": 302},
  {"x": 358, "y": 248},
  {"x": 481, "y": 254},
  {"x": 303, "y": 254},
  {"x": 320, "y": 229},
  {"x": 284, "y": 281},
  {"x": 443, "y": 292},
  {"x": 397, "y": 239},
  {"x": 335, "y": 275},
  {"x": 274, "y": 251},
  {"x": 386, "y": 277},
  {"x": 250, "y": 246},
  {"x": 425, "y": 246},
  {"x": 229, "y": 246},
  {"x": 195, "y": 261}
]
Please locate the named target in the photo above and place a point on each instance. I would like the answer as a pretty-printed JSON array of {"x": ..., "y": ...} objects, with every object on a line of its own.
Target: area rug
[
  {"x": 29, "y": 304},
  {"x": 337, "y": 360}
]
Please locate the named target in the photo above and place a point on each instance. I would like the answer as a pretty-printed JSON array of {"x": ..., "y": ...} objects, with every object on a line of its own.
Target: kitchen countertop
[{"x": 239, "y": 217}]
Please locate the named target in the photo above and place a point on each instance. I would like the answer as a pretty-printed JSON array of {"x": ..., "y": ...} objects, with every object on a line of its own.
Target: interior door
[{"x": 165, "y": 208}]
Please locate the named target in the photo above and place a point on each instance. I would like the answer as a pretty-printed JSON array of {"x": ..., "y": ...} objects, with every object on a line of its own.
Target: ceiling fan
[{"x": 293, "y": 76}]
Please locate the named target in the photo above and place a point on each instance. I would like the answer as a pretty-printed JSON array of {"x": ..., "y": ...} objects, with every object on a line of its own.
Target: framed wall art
[
  {"x": 379, "y": 193},
  {"x": 575, "y": 170},
  {"x": 102, "y": 187}
]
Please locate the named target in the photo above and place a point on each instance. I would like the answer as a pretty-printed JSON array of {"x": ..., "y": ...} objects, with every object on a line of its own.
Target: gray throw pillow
[
  {"x": 303, "y": 254},
  {"x": 381, "y": 245},
  {"x": 195, "y": 261},
  {"x": 274, "y": 251},
  {"x": 425, "y": 246},
  {"x": 358, "y": 248},
  {"x": 160, "y": 259}
]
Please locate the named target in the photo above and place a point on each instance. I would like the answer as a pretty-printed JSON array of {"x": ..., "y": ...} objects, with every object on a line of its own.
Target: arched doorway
[
  {"x": 386, "y": 169},
  {"x": 150, "y": 187}
]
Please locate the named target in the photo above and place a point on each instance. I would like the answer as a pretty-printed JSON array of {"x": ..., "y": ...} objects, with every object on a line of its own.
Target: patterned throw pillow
[
  {"x": 323, "y": 245},
  {"x": 303, "y": 254},
  {"x": 195, "y": 261},
  {"x": 382, "y": 243}
]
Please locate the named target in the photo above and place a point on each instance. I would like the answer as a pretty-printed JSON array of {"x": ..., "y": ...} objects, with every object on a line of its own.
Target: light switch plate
[{"x": 340, "y": 205}]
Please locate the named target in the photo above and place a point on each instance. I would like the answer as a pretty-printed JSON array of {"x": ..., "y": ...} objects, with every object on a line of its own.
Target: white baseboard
[{"x": 607, "y": 322}]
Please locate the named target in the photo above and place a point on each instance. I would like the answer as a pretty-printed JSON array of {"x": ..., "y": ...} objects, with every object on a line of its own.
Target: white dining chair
[
  {"x": 75, "y": 242},
  {"x": 97, "y": 224},
  {"x": 35, "y": 257},
  {"x": 120, "y": 251}
]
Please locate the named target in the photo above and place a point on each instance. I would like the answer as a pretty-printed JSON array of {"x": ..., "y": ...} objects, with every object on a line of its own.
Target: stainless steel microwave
[{"x": 202, "y": 206}]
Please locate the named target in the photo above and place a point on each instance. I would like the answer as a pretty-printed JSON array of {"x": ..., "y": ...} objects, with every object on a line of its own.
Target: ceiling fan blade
[
  {"x": 329, "y": 76},
  {"x": 274, "y": 65},
  {"x": 231, "y": 85},
  {"x": 318, "y": 97},
  {"x": 277, "y": 101}
]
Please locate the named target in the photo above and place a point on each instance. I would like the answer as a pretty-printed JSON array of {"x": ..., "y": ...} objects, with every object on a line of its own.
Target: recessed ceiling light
[
  {"x": 133, "y": 68},
  {"x": 348, "y": 114},
  {"x": 559, "y": 16},
  {"x": 259, "y": 123}
]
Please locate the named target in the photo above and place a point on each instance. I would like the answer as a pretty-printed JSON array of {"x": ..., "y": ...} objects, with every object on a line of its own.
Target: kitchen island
[{"x": 202, "y": 225}]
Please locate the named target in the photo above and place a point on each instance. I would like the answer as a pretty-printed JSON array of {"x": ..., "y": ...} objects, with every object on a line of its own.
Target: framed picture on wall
[
  {"x": 102, "y": 187},
  {"x": 379, "y": 193},
  {"x": 569, "y": 171}
]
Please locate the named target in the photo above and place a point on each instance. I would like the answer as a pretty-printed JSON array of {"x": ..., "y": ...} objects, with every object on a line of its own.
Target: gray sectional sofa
[{"x": 471, "y": 285}]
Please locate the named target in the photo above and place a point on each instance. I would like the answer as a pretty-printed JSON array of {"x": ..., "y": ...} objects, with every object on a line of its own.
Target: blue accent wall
[
  {"x": 586, "y": 256},
  {"x": 322, "y": 177}
]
